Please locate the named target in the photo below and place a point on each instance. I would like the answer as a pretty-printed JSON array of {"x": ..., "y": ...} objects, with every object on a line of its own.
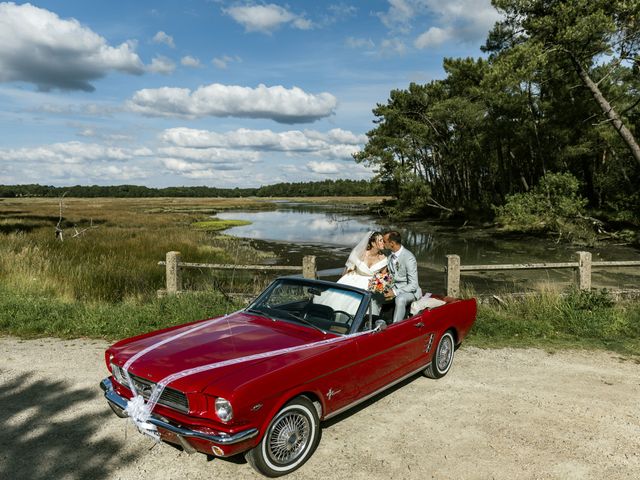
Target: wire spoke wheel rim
[
  {"x": 445, "y": 353},
  {"x": 288, "y": 438}
]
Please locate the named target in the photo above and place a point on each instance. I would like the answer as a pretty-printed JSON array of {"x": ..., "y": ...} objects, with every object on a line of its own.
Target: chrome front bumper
[{"x": 222, "y": 439}]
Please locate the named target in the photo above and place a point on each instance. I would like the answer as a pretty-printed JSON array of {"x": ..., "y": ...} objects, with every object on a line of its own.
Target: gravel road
[{"x": 502, "y": 414}]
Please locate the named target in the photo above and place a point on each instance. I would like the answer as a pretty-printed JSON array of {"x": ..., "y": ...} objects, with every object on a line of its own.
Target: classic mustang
[{"x": 260, "y": 380}]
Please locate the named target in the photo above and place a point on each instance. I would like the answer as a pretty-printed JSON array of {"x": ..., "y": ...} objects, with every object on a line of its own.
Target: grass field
[
  {"x": 115, "y": 255},
  {"x": 102, "y": 279},
  {"x": 555, "y": 320}
]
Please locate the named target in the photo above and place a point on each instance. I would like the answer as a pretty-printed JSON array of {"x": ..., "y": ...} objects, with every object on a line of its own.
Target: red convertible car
[{"x": 261, "y": 380}]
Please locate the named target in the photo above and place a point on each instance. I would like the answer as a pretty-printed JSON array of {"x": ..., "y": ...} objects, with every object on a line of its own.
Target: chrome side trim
[
  {"x": 373, "y": 394},
  {"x": 223, "y": 439}
]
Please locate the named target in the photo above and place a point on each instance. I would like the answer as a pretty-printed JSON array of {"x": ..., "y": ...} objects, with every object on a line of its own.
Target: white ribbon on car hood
[{"x": 139, "y": 411}]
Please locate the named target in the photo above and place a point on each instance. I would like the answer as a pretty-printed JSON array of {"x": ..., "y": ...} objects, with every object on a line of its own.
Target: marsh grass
[
  {"x": 555, "y": 319},
  {"x": 27, "y": 315},
  {"x": 118, "y": 259},
  {"x": 104, "y": 282},
  {"x": 218, "y": 224}
]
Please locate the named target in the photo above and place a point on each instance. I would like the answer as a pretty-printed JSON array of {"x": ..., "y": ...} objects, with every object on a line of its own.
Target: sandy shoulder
[{"x": 500, "y": 414}]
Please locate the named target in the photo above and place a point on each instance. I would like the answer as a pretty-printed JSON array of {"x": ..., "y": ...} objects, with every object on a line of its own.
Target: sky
[{"x": 212, "y": 92}]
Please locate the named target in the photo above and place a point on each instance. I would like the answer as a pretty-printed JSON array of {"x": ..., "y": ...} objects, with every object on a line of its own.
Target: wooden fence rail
[
  {"x": 583, "y": 265},
  {"x": 175, "y": 265}
]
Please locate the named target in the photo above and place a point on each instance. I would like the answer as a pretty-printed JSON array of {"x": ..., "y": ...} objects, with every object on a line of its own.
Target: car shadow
[
  {"x": 367, "y": 403},
  {"x": 46, "y": 432}
]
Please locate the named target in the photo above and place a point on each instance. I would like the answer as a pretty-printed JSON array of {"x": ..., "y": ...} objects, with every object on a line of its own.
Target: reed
[
  {"x": 554, "y": 319},
  {"x": 117, "y": 258}
]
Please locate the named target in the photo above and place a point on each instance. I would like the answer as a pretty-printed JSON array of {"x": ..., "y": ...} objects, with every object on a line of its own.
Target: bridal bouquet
[{"x": 380, "y": 282}]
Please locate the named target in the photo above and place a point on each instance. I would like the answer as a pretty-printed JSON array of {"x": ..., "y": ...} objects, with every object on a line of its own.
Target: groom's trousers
[{"x": 402, "y": 300}]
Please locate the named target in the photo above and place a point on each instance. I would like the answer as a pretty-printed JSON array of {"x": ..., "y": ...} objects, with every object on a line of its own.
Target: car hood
[{"x": 211, "y": 342}]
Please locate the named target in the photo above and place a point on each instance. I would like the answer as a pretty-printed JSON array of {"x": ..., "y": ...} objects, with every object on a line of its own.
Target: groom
[{"x": 404, "y": 269}]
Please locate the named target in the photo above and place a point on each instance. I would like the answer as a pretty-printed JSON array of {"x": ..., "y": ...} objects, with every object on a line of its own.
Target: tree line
[
  {"x": 558, "y": 92},
  {"x": 298, "y": 189}
]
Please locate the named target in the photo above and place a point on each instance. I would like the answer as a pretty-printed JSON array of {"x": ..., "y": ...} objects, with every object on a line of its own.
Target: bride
[{"x": 365, "y": 260}]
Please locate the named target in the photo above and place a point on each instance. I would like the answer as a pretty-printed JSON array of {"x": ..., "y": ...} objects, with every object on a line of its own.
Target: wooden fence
[
  {"x": 453, "y": 268},
  {"x": 174, "y": 266},
  {"x": 583, "y": 265}
]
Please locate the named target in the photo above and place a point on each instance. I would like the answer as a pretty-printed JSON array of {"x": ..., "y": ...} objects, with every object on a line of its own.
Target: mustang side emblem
[{"x": 331, "y": 393}]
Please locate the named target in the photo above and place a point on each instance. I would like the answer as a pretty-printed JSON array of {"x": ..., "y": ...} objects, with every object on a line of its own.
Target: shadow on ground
[
  {"x": 47, "y": 434},
  {"x": 327, "y": 424}
]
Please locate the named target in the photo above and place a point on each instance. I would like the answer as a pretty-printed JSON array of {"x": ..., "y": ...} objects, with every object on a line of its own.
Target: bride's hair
[{"x": 372, "y": 239}]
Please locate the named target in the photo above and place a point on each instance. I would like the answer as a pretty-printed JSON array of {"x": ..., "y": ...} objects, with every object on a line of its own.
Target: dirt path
[{"x": 503, "y": 414}]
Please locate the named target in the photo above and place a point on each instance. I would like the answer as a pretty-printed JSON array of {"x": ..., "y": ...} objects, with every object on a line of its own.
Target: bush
[
  {"x": 414, "y": 197},
  {"x": 552, "y": 206}
]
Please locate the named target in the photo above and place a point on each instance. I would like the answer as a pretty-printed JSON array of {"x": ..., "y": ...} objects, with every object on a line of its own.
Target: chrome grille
[{"x": 170, "y": 397}]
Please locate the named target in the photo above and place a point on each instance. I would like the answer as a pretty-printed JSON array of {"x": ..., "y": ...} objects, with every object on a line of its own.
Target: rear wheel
[
  {"x": 442, "y": 357},
  {"x": 291, "y": 438}
]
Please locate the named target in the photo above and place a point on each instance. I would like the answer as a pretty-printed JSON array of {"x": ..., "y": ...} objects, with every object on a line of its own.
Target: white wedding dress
[{"x": 358, "y": 276}]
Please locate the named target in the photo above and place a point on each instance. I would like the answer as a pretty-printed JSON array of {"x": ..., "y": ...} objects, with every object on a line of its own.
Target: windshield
[{"x": 326, "y": 308}]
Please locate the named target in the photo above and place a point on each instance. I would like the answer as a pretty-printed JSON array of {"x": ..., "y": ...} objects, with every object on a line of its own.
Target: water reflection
[
  {"x": 294, "y": 231},
  {"x": 301, "y": 226}
]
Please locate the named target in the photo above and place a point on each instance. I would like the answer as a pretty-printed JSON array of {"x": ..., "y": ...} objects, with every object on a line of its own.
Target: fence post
[
  {"x": 452, "y": 276},
  {"x": 174, "y": 273},
  {"x": 309, "y": 266},
  {"x": 584, "y": 271}
]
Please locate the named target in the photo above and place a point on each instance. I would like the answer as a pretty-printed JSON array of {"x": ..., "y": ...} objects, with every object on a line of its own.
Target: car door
[{"x": 390, "y": 354}]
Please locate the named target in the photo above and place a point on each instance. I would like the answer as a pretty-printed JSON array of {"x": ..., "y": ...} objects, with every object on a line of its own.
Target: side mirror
[{"x": 380, "y": 326}]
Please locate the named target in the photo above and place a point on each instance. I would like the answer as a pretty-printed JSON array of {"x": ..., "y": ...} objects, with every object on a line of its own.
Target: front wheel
[
  {"x": 442, "y": 357},
  {"x": 291, "y": 438}
]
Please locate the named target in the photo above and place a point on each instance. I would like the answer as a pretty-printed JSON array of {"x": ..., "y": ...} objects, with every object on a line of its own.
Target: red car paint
[{"x": 336, "y": 376}]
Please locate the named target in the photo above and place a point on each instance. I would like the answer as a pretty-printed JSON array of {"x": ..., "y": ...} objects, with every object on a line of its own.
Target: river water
[{"x": 294, "y": 230}]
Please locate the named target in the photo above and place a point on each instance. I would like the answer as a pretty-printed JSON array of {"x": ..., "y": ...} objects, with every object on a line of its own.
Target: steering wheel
[{"x": 342, "y": 312}]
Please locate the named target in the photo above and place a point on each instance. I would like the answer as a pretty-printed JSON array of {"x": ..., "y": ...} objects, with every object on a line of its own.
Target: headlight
[
  {"x": 117, "y": 373},
  {"x": 223, "y": 409}
]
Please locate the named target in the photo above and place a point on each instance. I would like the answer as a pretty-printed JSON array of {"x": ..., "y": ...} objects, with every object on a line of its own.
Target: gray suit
[{"x": 404, "y": 270}]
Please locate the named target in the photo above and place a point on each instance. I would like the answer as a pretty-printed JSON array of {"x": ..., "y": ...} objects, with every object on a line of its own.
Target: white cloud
[
  {"x": 302, "y": 24},
  {"x": 393, "y": 46},
  {"x": 327, "y": 168},
  {"x": 72, "y": 153},
  {"x": 162, "y": 37},
  {"x": 353, "y": 42},
  {"x": 399, "y": 15},
  {"x": 182, "y": 166},
  {"x": 334, "y": 144},
  {"x": 278, "y": 103},
  {"x": 342, "y": 11},
  {"x": 101, "y": 133},
  {"x": 450, "y": 21},
  {"x": 38, "y": 47},
  {"x": 161, "y": 64},
  {"x": 84, "y": 109},
  {"x": 223, "y": 61},
  {"x": 266, "y": 18},
  {"x": 88, "y": 132},
  {"x": 91, "y": 174},
  {"x": 189, "y": 61},
  {"x": 458, "y": 20},
  {"x": 77, "y": 162},
  {"x": 433, "y": 37},
  {"x": 210, "y": 155},
  {"x": 197, "y": 170}
]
